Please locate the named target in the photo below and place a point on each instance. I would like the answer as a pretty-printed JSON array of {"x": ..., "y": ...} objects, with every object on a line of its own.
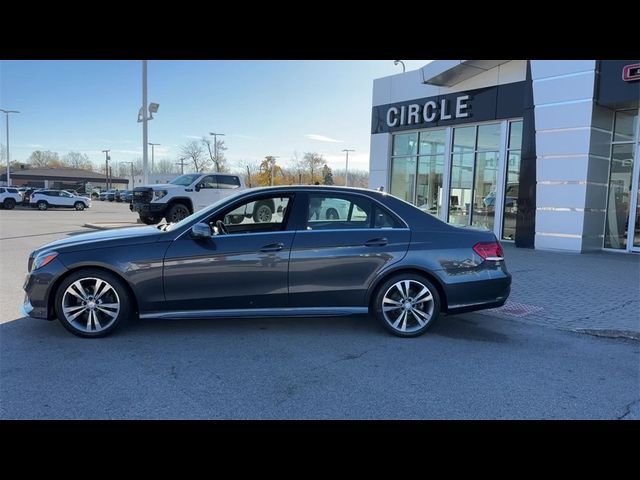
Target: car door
[
  {"x": 334, "y": 260},
  {"x": 243, "y": 269},
  {"x": 206, "y": 192},
  {"x": 52, "y": 197},
  {"x": 65, "y": 199}
]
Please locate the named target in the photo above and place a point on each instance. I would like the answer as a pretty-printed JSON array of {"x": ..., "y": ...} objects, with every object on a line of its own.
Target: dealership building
[{"x": 544, "y": 153}]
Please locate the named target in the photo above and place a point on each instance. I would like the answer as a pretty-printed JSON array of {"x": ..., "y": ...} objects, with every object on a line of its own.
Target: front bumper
[
  {"x": 148, "y": 208},
  {"x": 38, "y": 301}
]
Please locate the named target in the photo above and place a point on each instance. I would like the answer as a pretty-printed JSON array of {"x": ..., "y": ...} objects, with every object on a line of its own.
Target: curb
[
  {"x": 628, "y": 334},
  {"x": 110, "y": 226}
]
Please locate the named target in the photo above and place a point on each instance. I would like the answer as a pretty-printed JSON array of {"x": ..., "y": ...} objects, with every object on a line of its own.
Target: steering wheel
[{"x": 221, "y": 228}]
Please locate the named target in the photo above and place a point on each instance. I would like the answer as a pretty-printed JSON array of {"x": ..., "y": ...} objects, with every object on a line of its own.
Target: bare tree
[
  {"x": 313, "y": 161},
  {"x": 297, "y": 167},
  {"x": 248, "y": 170},
  {"x": 77, "y": 160},
  {"x": 219, "y": 161},
  {"x": 44, "y": 159},
  {"x": 195, "y": 153},
  {"x": 165, "y": 166}
]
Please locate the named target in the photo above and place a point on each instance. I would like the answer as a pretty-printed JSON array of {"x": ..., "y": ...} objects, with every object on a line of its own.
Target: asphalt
[{"x": 476, "y": 366}]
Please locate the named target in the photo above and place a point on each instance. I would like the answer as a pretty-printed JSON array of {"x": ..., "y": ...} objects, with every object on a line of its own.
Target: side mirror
[
  {"x": 201, "y": 231},
  {"x": 197, "y": 187}
]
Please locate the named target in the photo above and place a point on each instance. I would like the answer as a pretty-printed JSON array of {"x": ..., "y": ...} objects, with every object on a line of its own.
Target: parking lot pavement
[
  {"x": 24, "y": 229},
  {"x": 467, "y": 366}
]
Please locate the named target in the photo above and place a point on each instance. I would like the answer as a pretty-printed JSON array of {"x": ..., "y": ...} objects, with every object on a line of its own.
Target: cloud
[
  {"x": 196, "y": 137},
  {"x": 245, "y": 137},
  {"x": 322, "y": 138}
]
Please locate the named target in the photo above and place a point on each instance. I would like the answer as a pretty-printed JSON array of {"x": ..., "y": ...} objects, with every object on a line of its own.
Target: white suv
[
  {"x": 9, "y": 197},
  {"x": 182, "y": 196},
  {"x": 44, "y": 199}
]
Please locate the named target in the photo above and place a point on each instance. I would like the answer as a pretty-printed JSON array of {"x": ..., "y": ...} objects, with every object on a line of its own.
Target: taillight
[{"x": 489, "y": 250}]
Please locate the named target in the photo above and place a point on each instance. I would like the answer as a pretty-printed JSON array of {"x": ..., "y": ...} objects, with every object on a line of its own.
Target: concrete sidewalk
[{"x": 596, "y": 293}]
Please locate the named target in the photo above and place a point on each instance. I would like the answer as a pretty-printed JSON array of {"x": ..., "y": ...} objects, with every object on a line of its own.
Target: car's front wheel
[
  {"x": 149, "y": 220},
  {"x": 92, "y": 303},
  {"x": 42, "y": 205},
  {"x": 177, "y": 212},
  {"x": 79, "y": 206},
  {"x": 407, "y": 305}
]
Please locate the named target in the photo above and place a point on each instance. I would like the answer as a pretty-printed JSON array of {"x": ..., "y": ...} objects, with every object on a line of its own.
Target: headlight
[
  {"x": 158, "y": 194},
  {"x": 42, "y": 260}
]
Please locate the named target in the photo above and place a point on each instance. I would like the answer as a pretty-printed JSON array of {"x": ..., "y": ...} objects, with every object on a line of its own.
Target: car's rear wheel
[
  {"x": 177, "y": 212},
  {"x": 92, "y": 303},
  {"x": 407, "y": 305},
  {"x": 9, "y": 203},
  {"x": 332, "y": 214},
  {"x": 149, "y": 220},
  {"x": 42, "y": 205},
  {"x": 79, "y": 206}
]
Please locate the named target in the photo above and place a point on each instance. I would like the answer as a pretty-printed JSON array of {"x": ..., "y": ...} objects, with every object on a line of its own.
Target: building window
[
  {"x": 512, "y": 180},
  {"x": 474, "y": 174},
  {"x": 417, "y": 167},
  {"x": 619, "y": 199}
]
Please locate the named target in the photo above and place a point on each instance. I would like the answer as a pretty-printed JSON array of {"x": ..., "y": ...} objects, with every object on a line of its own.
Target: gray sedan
[{"x": 378, "y": 255}]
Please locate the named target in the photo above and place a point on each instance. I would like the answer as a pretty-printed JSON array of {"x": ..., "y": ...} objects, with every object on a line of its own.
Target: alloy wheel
[
  {"x": 90, "y": 305},
  {"x": 264, "y": 214},
  {"x": 408, "y": 306},
  {"x": 179, "y": 213}
]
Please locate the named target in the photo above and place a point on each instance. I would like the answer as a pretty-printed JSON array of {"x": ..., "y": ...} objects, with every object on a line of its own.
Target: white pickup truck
[{"x": 184, "y": 195}]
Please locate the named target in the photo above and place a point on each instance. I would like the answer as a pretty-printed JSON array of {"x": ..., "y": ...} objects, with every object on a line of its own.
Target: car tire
[
  {"x": 406, "y": 314},
  {"x": 177, "y": 212},
  {"x": 42, "y": 205},
  {"x": 78, "y": 307},
  {"x": 332, "y": 214},
  {"x": 9, "y": 203},
  {"x": 79, "y": 206},
  {"x": 149, "y": 220},
  {"x": 262, "y": 213}
]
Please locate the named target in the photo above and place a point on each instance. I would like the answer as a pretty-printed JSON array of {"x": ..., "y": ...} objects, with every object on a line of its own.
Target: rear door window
[{"x": 228, "y": 181}]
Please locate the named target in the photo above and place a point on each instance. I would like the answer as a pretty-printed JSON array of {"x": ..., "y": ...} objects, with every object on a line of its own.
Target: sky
[{"x": 264, "y": 107}]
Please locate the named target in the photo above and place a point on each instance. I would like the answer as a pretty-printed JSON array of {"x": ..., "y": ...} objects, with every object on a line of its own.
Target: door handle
[
  {"x": 377, "y": 242},
  {"x": 272, "y": 247}
]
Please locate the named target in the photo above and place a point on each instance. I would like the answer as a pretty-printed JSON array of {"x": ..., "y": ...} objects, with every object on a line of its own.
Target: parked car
[
  {"x": 9, "y": 197},
  {"x": 401, "y": 265},
  {"x": 44, "y": 199},
  {"x": 108, "y": 195},
  {"x": 26, "y": 196},
  {"x": 183, "y": 195},
  {"x": 127, "y": 196}
]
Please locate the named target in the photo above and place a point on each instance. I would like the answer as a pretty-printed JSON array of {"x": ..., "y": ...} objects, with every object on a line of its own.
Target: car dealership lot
[{"x": 469, "y": 366}]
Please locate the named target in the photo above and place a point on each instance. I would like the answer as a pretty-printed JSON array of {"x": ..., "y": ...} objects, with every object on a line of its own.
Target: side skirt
[{"x": 260, "y": 312}]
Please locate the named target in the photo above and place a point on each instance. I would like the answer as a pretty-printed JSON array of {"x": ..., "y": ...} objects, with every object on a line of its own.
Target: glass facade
[
  {"x": 417, "y": 168},
  {"x": 619, "y": 225},
  {"x": 468, "y": 160}
]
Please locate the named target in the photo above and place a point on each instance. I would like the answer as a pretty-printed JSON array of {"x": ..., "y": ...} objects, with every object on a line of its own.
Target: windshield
[
  {"x": 184, "y": 180},
  {"x": 202, "y": 214}
]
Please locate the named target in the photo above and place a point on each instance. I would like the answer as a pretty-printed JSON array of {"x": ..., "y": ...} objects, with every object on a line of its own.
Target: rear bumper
[{"x": 478, "y": 294}]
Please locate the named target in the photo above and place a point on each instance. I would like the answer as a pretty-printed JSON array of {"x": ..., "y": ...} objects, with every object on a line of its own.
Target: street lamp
[
  {"x": 396, "y": 62},
  {"x": 152, "y": 150},
  {"x": 143, "y": 117},
  {"x": 106, "y": 167},
  {"x": 273, "y": 165},
  {"x": 181, "y": 163},
  {"x": 132, "y": 179},
  {"x": 7, "y": 112},
  {"x": 215, "y": 145},
  {"x": 346, "y": 169}
]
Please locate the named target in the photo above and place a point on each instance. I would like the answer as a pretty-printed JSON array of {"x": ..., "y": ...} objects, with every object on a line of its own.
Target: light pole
[
  {"x": 6, "y": 113},
  {"x": 144, "y": 115},
  {"x": 215, "y": 146},
  {"x": 132, "y": 179},
  {"x": 396, "y": 62},
  {"x": 272, "y": 168},
  {"x": 152, "y": 155},
  {"x": 346, "y": 168},
  {"x": 181, "y": 163},
  {"x": 106, "y": 167}
]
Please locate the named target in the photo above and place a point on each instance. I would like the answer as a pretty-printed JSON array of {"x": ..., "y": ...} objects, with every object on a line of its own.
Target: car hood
[{"x": 102, "y": 239}]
